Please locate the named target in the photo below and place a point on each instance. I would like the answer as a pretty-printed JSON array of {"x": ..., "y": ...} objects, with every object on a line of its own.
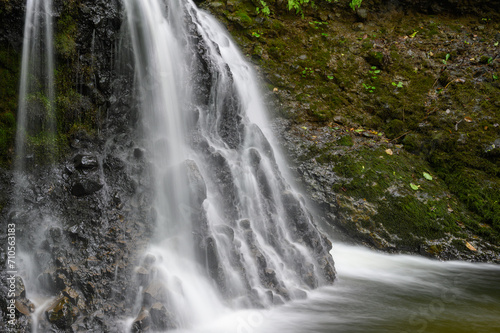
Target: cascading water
[
  {"x": 231, "y": 232},
  {"x": 36, "y": 113}
]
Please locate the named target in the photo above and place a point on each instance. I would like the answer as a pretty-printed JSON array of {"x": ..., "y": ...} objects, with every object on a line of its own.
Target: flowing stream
[{"x": 376, "y": 292}]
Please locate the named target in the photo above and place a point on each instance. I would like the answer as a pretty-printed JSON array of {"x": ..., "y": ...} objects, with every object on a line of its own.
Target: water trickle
[
  {"x": 36, "y": 112},
  {"x": 36, "y": 124},
  {"x": 231, "y": 232}
]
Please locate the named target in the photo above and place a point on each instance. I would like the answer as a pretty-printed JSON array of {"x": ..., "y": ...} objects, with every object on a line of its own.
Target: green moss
[
  {"x": 66, "y": 30},
  {"x": 9, "y": 81},
  {"x": 243, "y": 17},
  {"x": 395, "y": 128},
  {"x": 345, "y": 140}
]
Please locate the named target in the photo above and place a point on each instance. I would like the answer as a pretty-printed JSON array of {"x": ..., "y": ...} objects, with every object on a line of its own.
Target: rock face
[{"x": 87, "y": 217}]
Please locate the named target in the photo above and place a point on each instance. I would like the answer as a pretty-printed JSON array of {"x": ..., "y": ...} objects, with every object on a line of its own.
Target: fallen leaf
[
  {"x": 468, "y": 119},
  {"x": 275, "y": 89},
  {"x": 427, "y": 176},
  {"x": 388, "y": 151},
  {"x": 414, "y": 187},
  {"x": 303, "y": 127},
  {"x": 485, "y": 128},
  {"x": 470, "y": 247}
]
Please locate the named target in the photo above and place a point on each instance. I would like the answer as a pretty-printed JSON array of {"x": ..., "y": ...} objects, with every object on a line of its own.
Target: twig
[{"x": 400, "y": 136}]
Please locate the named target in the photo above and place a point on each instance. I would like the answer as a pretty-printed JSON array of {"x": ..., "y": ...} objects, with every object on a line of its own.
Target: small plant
[
  {"x": 355, "y": 3},
  {"x": 255, "y": 34},
  {"x": 307, "y": 71},
  {"x": 374, "y": 71},
  {"x": 490, "y": 60},
  {"x": 265, "y": 8},
  {"x": 330, "y": 77},
  {"x": 445, "y": 60},
  {"x": 317, "y": 24},
  {"x": 324, "y": 34},
  {"x": 369, "y": 88},
  {"x": 398, "y": 85},
  {"x": 495, "y": 77}
]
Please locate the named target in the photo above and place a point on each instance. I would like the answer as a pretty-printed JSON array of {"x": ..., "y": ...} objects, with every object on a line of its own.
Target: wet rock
[
  {"x": 138, "y": 152},
  {"x": 83, "y": 161},
  {"x": 20, "y": 289},
  {"x": 142, "y": 323},
  {"x": 245, "y": 224},
  {"x": 62, "y": 313},
  {"x": 149, "y": 260},
  {"x": 85, "y": 187},
  {"x": 72, "y": 295},
  {"x": 142, "y": 276},
  {"x": 198, "y": 189},
  {"x": 161, "y": 318},
  {"x": 52, "y": 280},
  {"x": 25, "y": 306},
  {"x": 214, "y": 265},
  {"x": 226, "y": 230},
  {"x": 155, "y": 292}
]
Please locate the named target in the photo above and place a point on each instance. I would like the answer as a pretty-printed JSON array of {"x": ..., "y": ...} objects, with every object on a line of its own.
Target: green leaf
[
  {"x": 414, "y": 187},
  {"x": 427, "y": 176}
]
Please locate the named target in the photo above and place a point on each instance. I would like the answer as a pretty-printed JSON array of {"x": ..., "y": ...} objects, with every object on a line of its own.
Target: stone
[
  {"x": 197, "y": 187},
  {"x": 154, "y": 292},
  {"x": 142, "y": 323},
  {"x": 25, "y": 306},
  {"x": 62, "y": 313},
  {"x": 85, "y": 187},
  {"x": 149, "y": 260},
  {"x": 142, "y": 276},
  {"x": 162, "y": 319},
  {"x": 245, "y": 224},
  {"x": 138, "y": 152},
  {"x": 226, "y": 230},
  {"x": 83, "y": 161},
  {"x": 362, "y": 13}
]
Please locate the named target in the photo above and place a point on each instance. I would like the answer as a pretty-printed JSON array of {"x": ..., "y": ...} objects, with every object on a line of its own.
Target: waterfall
[
  {"x": 36, "y": 122},
  {"x": 231, "y": 232},
  {"x": 36, "y": 111}
]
